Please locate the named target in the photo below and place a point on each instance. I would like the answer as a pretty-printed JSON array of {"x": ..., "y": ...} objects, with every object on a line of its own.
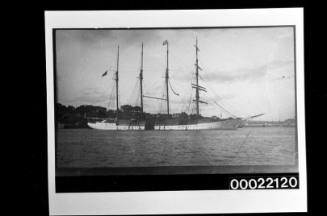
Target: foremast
[
  {"x": 196, "y": 86},
  {"x": 117, "y": 88},
  {"x": 167, "y": 78}
]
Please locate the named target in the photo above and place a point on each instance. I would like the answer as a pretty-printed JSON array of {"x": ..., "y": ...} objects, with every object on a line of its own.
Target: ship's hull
[
  {"x": 229, "y": 124},
  {"x": 113, "y": 126}
]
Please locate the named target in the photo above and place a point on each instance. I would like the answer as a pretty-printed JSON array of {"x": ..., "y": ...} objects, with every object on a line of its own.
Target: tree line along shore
[{"x": 77, "y": 117}]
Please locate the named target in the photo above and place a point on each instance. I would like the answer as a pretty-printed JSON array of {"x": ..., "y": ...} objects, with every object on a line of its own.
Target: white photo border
[{"x": 177, "y": 202}]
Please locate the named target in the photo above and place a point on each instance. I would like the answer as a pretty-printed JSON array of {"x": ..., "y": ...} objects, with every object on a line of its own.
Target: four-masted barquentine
[{"x": 165, "y": 122}]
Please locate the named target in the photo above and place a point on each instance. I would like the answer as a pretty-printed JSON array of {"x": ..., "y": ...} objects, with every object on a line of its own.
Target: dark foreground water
[{"x": 87, "y": 148}]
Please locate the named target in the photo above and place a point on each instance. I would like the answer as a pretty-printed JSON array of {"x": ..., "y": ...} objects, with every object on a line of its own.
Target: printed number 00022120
[{"x": 263, "y": 183}]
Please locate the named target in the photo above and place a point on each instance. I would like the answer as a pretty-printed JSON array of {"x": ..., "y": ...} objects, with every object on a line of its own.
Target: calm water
[{"x": 245, "y": 146}]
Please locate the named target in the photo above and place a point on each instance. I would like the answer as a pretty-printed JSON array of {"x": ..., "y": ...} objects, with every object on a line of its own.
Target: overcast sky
[{"x": 246, "y": 70}]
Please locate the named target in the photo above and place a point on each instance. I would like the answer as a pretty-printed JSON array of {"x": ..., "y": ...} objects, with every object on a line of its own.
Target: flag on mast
[
  {"x": 104, "y": 74},
  {"x": 165, "y": 42}
]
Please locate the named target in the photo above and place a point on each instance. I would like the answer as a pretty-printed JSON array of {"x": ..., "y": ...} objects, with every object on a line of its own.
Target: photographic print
[
  {"x": 176, "y": 97},
  {"x": 175, "y": 108}
]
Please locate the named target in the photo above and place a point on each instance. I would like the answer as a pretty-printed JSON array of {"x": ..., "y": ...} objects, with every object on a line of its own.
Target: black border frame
[{"x": 33, "y": 190}]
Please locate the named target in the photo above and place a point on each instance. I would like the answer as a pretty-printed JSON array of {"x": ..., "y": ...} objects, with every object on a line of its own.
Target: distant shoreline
[{"x": 77, "y": 117}]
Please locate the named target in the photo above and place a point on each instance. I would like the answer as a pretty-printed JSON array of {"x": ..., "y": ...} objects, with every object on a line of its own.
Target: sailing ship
[{"x": 166, "y": 123}]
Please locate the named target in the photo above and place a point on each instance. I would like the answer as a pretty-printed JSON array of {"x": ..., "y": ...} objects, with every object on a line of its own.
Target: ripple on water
[{"x": 245, "y": 146}]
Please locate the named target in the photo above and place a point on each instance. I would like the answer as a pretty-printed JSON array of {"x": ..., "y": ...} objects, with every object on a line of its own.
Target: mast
[
  {"x": 197, "y": 96},
  {"x": 141, "y": 80},
  {"x": 167, "y": 79},
  {"x": 116, "y": 79},
  {"x": 197, "y": 87}
]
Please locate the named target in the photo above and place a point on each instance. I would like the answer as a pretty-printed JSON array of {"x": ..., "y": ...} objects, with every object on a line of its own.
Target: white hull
[
  {"x": 113, "y": 126},
  {"x": 230, "y": 124},
  {"x": 220, "y": 125}
]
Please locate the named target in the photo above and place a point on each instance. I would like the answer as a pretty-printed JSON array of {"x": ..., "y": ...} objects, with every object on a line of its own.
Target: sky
[{"x": 247, "y": 71}]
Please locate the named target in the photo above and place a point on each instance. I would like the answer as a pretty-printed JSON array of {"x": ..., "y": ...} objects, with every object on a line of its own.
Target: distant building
[{"x": 289, "y": 122}]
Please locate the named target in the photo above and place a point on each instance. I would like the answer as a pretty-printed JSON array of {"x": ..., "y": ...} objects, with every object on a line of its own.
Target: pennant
[
  {"x": 165, "y": 42},
  {"x": 105, "y": 73}
]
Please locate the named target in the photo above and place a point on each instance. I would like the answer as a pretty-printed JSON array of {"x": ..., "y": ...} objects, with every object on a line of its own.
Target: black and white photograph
[
  {"x": 155, "y": 106},
  {"x": 176, "y": 97}
]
